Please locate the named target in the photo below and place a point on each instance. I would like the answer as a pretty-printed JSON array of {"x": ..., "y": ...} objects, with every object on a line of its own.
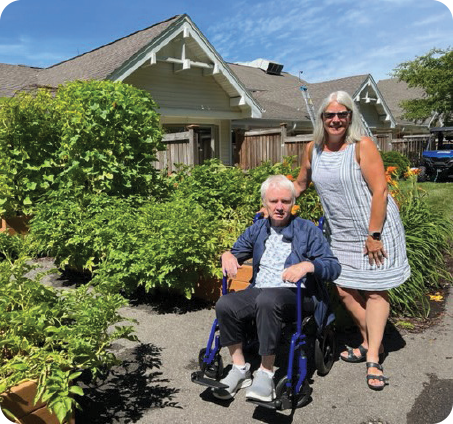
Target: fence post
[
  {"x": 283, "y": 133},
  {"x": 193, "y": 144}
]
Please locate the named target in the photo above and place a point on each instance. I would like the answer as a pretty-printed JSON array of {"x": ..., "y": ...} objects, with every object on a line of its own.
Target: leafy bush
[
  {"x": 78, "y": 232},
  {"x": 29, "y": 139},
  {"x": 172, "y": 244},
  {"x": 11, "y": 246},
  {"x": 428, "y": 234},
  {"x": 397, "y": 159},
  {"x": 95, "y": 136},
  {"x": 212, "y": 185},
  {"x": 110, "y": 134},
  {"x": 51, "y": 336},
  {"x": 133, "y": 242},
  {"x": 165, "y": 243}
]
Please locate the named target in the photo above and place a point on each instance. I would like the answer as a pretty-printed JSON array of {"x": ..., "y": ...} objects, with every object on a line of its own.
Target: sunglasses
[{"x": 341, "y": 115}]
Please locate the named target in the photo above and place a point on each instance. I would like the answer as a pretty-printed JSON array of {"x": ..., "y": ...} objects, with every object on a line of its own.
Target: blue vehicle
[{"x": 437, "y": 164}]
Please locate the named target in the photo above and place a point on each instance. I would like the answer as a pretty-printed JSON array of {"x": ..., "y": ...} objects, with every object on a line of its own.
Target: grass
[{"x": 439, "y": 196}]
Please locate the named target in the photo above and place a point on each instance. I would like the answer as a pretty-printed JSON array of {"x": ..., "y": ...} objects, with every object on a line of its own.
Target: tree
[{"x": 432, "y": 72}]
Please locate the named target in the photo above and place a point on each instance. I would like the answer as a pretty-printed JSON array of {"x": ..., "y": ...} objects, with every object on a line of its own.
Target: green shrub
[
  {"x": 172, "y": 245},
  {"x": 51, "y": 336},
  {"x": 397, "y": 159},
  {"x": 95, "y": 136},
  {"x": 212, "y": 185},
  {"x": 29, "y": 140},
  {"x": 428, "y": 234},
  {"x": 11, "y": 246},
  {"x": 78, "y": 231},
  {"x": 110, "y": 135},
  {"x": 134, "y": 242}
]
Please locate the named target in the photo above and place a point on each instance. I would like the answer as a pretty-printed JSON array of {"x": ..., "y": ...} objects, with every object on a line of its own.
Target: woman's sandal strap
[
  {"x": 377, "y": 377},
  {"x": 363, "y": 351},
  {"x": 374, "y": 365}
]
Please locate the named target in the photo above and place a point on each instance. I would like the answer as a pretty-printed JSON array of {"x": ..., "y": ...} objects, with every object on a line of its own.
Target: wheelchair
[{"x": 313, "y": 338}]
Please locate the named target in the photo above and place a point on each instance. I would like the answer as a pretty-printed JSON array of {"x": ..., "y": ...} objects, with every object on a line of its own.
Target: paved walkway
[{"x": 153, "y": 383}]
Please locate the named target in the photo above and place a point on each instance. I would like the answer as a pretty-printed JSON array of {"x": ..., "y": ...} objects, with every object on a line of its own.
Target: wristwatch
[{"x": 375, "y": 235}]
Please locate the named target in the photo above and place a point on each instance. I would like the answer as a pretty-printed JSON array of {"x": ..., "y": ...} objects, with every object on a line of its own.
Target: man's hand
[
  {"x": 295, "y": 272},
  {"x": 230, "y": 264}
]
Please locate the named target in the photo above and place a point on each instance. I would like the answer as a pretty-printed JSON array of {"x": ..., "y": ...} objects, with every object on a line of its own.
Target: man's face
[{"x": 278, "y": 202}]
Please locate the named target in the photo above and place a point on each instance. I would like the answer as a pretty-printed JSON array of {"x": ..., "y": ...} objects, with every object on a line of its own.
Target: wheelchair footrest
[
  {"x": 198, "y": 377},
  {"x": 274, "y": 404}
]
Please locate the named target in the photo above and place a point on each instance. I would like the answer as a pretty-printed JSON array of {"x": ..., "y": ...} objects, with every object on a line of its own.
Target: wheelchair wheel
[
  {"x": 214, "y": 370},
  {"x": 325, "y": 347},
  {"x": 302, "y": 398}
]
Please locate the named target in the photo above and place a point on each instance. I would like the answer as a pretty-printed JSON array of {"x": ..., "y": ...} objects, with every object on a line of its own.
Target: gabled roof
[
  {"x": 101, "y": 62},
  {"x": 394, "y": 92},
  {"x": 362, "y": 88},
  {"x": 279, "y": 95},
  {"x": 16, "y": 77},
  {"x": 118, "y": 59},
  {"x": 320, "y": 90}
]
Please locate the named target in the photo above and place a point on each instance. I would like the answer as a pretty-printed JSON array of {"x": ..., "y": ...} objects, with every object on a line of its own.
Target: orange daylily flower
[
  {"x": 294, "y": 209},
  {"x": 411, "y": 172},
  {"x": 391, "y": 169},
  {"x": 290, "y": 177},
  {"x": 437, "y": 297}
]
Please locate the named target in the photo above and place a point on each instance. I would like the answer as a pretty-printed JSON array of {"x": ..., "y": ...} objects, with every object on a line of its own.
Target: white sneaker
[
  {"x": 235, "y": 380},
  {"x": 263, "y": 387}
]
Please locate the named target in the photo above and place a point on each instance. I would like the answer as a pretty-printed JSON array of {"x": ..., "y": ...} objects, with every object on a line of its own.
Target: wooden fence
[
  {"x": 257, "y": 146},
  {"x": 411, "y": 146},
  {"x": 182, "y": 147}
]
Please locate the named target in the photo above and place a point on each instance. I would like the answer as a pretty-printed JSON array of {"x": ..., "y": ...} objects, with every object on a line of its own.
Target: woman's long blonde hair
[{"x": 355, "y": 130}]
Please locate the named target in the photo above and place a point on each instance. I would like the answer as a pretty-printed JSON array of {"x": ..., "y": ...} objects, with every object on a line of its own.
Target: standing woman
[{"x": 363, "y": 224}]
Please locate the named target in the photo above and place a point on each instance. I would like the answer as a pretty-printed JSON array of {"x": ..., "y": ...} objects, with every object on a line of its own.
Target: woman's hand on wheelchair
[
  {"x": 230, "y": 264},
  {"x": 298, "y": 271},
  {"x": 264, "y": 212}
]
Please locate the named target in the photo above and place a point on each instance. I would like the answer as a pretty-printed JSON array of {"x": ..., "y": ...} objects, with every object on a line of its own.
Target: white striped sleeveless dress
[{"x": 346, "y": 200}]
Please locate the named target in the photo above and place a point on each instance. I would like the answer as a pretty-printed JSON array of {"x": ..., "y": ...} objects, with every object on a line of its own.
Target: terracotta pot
[
  {"x": 15, "y": 224},
  {"x": 19, "y": 401}
]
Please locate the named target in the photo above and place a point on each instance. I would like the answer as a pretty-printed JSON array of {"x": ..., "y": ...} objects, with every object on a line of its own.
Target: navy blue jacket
[{"x": 307, "y": 244}]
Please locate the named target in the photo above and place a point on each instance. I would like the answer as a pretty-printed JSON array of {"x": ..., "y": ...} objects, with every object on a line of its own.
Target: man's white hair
[{"x": 279, "y": 181}]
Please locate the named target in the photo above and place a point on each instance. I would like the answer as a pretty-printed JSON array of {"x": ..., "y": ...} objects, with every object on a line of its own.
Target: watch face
[{"x": 376, "y": 236}]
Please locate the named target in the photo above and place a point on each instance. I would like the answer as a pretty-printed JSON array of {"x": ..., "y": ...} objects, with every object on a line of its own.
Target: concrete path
[{"x": 153, "y": 383}]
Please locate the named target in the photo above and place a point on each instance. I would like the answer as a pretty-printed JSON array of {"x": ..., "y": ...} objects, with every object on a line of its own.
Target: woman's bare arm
[
  {"x": 373, "y": 172},
  {"x": 304, "y": 178}
]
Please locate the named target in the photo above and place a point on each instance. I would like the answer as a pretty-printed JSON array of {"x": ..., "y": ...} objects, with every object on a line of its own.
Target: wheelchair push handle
[{"x": 258, "y": 216}]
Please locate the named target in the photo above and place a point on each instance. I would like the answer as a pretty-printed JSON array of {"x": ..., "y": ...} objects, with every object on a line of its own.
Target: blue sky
[{"x": 326, "y": 39}]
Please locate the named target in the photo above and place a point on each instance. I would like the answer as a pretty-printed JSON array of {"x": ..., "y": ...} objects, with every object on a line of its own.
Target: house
[
  {"x": 286, "y": 100},
  {"x": 175, "y": 62},
  {"x": 238, "y": 112},
  {"x": 395, "y": 92}
]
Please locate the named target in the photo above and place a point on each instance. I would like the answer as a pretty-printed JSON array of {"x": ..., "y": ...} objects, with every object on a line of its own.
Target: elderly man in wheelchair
[{"x": 285, "y": 250}]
